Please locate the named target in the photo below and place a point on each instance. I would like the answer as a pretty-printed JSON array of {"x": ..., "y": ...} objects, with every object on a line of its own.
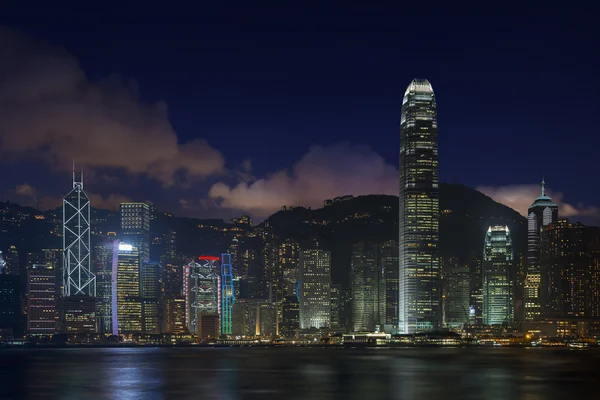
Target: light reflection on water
[{"x": 295, "y": 373}]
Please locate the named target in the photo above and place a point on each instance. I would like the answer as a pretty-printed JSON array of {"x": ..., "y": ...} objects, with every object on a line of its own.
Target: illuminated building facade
[
  {"x": 135, "y": 227},
  {"x": 78, "y": 279},
  {"x": 419, "y": 269},
  {"x": 456, "y": 294},
  {"x": 388, "y": 255},
  {"x": 41, "y": 300},
  {"x": 129, "y": 305},
  {"x": 289, "y": 252},
  {"x": 10, "y": 304},
  {"x": 227, "y": 294},
  {"x": 150, "y": 297},
  {"x": 541, "y": 213},
  {"x": 368, "y": 287},
  {"x": 102, "y": 267},
  {"x": 498, "y": 261},
  {"x": 315, "y": 289},
  {"x": 290, "y": 322},
  {"x": 570, "y": 273},
  {"x": 174, "y": 315},
  {"x": 202, "y": 290},
  {"x": 336, "y": 306},
  {"x": 78, "y": 314}
]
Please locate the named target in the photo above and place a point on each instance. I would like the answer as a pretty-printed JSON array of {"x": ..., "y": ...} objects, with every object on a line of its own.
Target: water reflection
[{"x": 319, "y": 374}]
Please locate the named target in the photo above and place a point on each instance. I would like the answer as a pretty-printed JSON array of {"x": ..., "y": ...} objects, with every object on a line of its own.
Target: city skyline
[{"x": 210, "y": 178}]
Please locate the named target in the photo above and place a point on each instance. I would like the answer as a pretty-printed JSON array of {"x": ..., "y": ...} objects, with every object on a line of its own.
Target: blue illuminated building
[{"x": 227, "y": 294}]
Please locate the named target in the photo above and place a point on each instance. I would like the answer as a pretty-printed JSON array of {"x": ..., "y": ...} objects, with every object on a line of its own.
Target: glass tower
[
  {"x": 541, "y": 213},
  {"x": 315, "y": 289},
  {"x": 419, "y": 269},
  {"x": 497, "y": 285}
]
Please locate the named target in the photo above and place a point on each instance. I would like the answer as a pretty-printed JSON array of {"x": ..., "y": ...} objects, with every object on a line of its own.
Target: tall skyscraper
[
  {"x": 541, "y": 213},
  {"x": 150, "y": 290},
  {"x": 419, "y": 273},
  {"x": 41, "y": 300},
  {"x": 78, "y": 279},
  {"x": 290, "y": 321},
  {"x": 174, "y": 315},
  {"x": 456, "y": 294},
  {"x": 10, "y": 304},
  {"x": 498, "y": 261},
  {"x": 202, "y": 291},
  {"x": 135, "y": 227},
  {"x": 227, "y": 293},
  {"x": 388, "y": 254},
  {"x": 368, "y": 287},
  {"x": 129, "y": 305},
  {"x": 102, "y": 267},
  {"x": 315, "y": 289}
]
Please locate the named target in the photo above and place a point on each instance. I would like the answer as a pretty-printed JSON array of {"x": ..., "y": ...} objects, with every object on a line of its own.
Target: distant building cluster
[{"x": 132, "y": 277}]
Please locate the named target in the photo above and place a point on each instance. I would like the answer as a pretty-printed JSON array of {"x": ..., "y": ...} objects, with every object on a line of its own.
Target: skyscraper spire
[
  {"x": 543, "y": 189},
  {"x": 73, "y": 173}
]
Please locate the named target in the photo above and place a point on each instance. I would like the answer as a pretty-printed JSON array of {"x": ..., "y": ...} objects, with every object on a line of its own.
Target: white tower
[{"x": 78, "y": 279}]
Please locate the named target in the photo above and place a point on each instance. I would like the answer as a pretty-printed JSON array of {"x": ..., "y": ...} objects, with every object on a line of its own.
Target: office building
[
  {"x": 150, "y": 290},
  {"x": 227, "y": 294},
  {"x": 541, "y": 213},
  {"x": 174, "y": 315},
  {"x": 498, "y": 262},
  {"x": 129, "y": 305},
  {"x": 102, "y": 257},
  {"x": 419, "y": 269},
  {"x": 10, "y": 304},
  {"x": 388, "y": 255},
  {"x": 336, "y": 306},
  {"x": 135, "y": 228},
  {"x": 368, "y": 287},
  {"x": 289, "y": 252},
  {"x": 457, "y": 293},
  {"x": 202, "y": 291},
  {"x": 41, "y": 300},
  {"x": 78, "y": 279},
  {"x": 78, "y": 314},
  {"x": 290, "y": 322},
  {"x": 315, "y": 289}
]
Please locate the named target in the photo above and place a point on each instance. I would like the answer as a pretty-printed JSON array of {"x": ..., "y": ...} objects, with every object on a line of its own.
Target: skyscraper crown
[{"x": 419, "y": 85}]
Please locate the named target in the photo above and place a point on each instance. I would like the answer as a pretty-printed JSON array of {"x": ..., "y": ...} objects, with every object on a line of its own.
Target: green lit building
[{"x": 498, "y": 259}]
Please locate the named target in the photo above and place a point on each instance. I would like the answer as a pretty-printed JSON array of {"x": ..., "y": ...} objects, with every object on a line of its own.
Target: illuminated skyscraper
[
  {"x": 10, "y": 304},
  {"x": 135, "y": 227},
  {"x": 102, "y": 266},
  {"x": 174, "y": 315},
  {"x": 288, "y": 260},
  {"x": 202, "y": 291},
  {"x": 388, "y": 254},
  {"x": 498, "y": 261},
  {"x": 129, "y": 305},
  {"x": 367, "y": 282},
  {"x": 150, "y": 297},
  {"x": 315, "y": 289},
  {"x": 541, "y": 213},
  {"x": 227, "y": 294},
  {"x": 41, "y": 300},
  {"x": 78, "y": 279},
  {"x": 419, "y": 273}
]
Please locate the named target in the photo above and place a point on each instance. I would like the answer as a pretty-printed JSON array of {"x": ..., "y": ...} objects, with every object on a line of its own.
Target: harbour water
[{"x": 299, "y": 373}]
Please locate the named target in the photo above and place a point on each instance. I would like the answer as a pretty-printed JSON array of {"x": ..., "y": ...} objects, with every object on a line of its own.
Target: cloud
[
  {"x": 322, "y": 173},
  {"x": 520, "y": 197},
  {"x": 50, "y": 111},
  {"x": 31, "y": 194},
  {"x": 26, "y": 190}
]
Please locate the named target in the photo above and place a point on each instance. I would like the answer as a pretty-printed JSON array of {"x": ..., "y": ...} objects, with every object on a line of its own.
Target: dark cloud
[{"x": 50, "y": 111}]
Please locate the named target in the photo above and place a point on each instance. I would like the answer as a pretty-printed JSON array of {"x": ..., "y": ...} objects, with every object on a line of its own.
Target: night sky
[{"x": 215, "y": 112}]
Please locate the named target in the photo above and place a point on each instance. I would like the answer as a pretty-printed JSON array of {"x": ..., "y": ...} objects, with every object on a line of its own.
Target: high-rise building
[
  {"x": 290, "y": 322},
  {"x": 368, "y": 287},
  {"x": 315, "y": 289},
  {"x": 289, "y": 252},
  {"x": 498, "y": 262},
  {"x": 419, "y": 273},
  {"x": 2, "y": 263},
  {"x": 41, "y": 300},
  {"x": 457, "y": 293},
  {"x": 541, "y": 213},
  {"x": 227, "y": 294},
  {"x": 388, "y": 254},
  {"x": 174, "y": 315},
  {"x": 129, "y": 305},
  {"x": 102, "y": 267},
  {"x": 569, "y": 272},
  {"x": 336, "y": 306},
  {"x": 135, "y": 227},
  {"x": 78, "y": 279},
  {"x": 202, "y": 290},
  {"x": 10, "y": 304},
  {"x": 150, "y": 290},
  {"x": 476, "y": 287},
  {"x": 78, "y": 314}
]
